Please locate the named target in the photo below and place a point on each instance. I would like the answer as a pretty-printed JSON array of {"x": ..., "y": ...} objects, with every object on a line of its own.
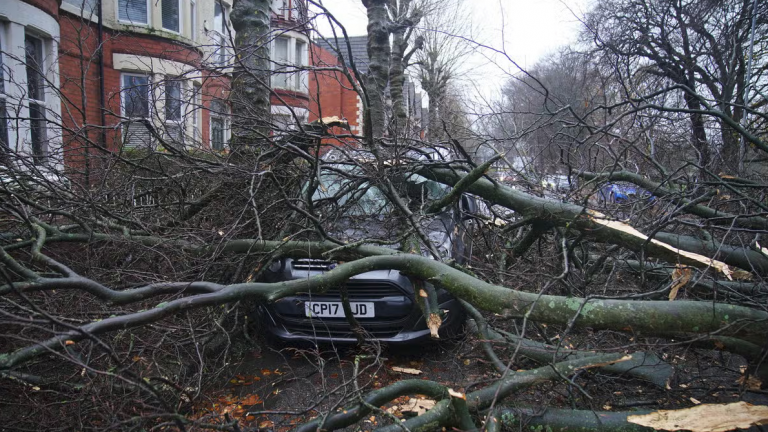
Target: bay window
[{"x": 133, "y": 11}]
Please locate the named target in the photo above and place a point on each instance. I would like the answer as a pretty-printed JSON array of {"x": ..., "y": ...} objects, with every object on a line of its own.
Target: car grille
[
  {"x": 366, "y": 289},
  {"x": 340, "y": 329}
]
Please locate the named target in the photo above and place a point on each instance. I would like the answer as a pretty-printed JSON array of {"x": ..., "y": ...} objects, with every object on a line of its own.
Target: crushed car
[{"x": 382, "y": 301}]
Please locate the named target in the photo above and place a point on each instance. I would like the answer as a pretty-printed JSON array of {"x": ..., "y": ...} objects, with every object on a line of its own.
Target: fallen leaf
[
  {"x": 423, "y": 293},
  {"x": 695, "y": 401},
  {"x": 705, "y": 418},
  {"x": 266, "y": 424},
  {"x": 69, "y": 342},
  {"x": 751, "y": 383},
  {"x": 266, "y": 372},
  {"x": 454, "y": 393}
]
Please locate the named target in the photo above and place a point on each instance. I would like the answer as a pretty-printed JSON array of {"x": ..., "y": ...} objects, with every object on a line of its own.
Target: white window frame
[
  {"x": 129, "y": 22},
  {"x": 295, "y": 76},
  {"x": 181, "y": 121},
  {"x": 43, "y": 104},
  {"x": 220, "y": 35},
  {"x": 193, "y": 20},
  {"x": 123, "y": 88},
  {"x": 193, "y": 110},
  {"x": 180, "y": 17},
  {"x": 150, "y": 106}
]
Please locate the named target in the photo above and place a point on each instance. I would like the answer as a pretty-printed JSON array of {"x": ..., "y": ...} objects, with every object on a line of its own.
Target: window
[
  {"x": 280, "y": 77},
  {"x": 171, "y": 11},
  {"x": 298, "y": 60},
  {"x": 173, "y": 100},
  {"x": 219, "y": 19},
  {"x": 87, "y": 6},
  {"x": 135, "y": 98},
  {"x": 193, "y": 19},
  {"x": 280, "y": 8},
  {"x": 36, "y": 94},
  {"x": 174, "y": 131},
  {"x": 289, "y": 57},
  {"x": 133, "y": 11},
  {"x": 194, "y": 111},
  {"x": 219, "y": 132}
]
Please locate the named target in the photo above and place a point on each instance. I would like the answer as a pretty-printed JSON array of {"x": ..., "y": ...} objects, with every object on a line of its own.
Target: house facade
[{"x": 86, "y": 76}]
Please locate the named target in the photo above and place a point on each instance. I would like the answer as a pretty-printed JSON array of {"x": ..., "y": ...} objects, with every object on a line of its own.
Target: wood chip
[
  {"x": 406, "y": 370},
  {"x": 705, "y": 418},
  {"x": 680, "y": 277}
]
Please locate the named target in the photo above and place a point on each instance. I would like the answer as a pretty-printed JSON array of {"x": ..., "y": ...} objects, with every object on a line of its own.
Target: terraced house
[{"x": 81, "y": 77}]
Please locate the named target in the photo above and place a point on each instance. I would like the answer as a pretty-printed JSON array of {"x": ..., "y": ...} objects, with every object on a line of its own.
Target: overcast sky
[{"x": 529, "y": 30}]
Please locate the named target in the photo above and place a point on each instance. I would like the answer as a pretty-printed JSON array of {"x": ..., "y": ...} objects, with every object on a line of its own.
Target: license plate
[{"x": 336, "y": 310}]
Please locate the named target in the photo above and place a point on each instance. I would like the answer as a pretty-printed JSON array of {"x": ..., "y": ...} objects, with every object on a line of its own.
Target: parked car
[{"x": 382, "y": 301}]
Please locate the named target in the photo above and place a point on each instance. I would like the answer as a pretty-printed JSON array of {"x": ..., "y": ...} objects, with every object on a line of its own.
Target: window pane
[
  {"x": 37, "y": 130},
  {"x": 170, "y": 10},
  {"x": 133, "y": 10},
  {"x": 299, "y": 62},
  {"x": 193, "y": 19},
  {"x": 173, "y": 101},
  {"x": 87, "y": 6},
  {"x": 136, "y": 93},
  {"x": 217, "y": 133},
  {"x": 34, "y": 60},
  {"x": 280, "y": 77},
  {"x": 218, "y": 18}
]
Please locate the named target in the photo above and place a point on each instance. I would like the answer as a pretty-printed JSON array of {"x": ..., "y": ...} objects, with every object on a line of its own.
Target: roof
[{"x": 358, "y": 45}]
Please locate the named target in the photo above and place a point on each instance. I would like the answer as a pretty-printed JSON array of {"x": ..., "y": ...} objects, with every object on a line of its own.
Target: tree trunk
[
  {"x": 378, "y": 69},
  {"x": 251, "y": 81}
]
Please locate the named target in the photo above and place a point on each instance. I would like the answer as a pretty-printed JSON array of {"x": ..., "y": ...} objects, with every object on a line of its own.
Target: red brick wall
[
  {"x": 51, "y": 7},
  {"x": 79, "y": 73},
  {"x": 289, "y": 98},
  {"x": 331, "y": 93}
]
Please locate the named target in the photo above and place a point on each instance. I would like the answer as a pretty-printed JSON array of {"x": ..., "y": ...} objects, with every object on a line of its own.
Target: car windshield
[
  {"x": 360, "y": 198},
  {"x": 357, "y": 199}
]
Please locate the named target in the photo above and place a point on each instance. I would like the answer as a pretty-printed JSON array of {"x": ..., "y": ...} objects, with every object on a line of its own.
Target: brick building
[{"x": 113, "y": 74}]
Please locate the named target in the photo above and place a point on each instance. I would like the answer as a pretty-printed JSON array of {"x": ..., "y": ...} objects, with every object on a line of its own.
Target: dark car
[{"x": 382, "y": 301}]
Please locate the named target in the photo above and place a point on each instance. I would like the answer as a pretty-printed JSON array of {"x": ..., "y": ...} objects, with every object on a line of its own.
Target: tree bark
[
  {"x": 250, "y": 96},
  {"x": 377, "y": 78}
]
